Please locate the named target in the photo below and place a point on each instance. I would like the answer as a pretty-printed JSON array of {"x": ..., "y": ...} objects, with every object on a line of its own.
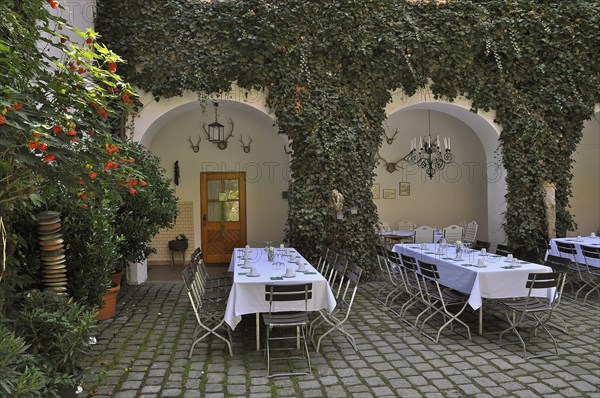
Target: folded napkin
[
  {"x": 467, "y": 264},
  {"x": 276, "y": 278},
  {"x": 447, "y": 258},
  {"x": 242, "y": 273},
  {"x": 310, "y": 273}
]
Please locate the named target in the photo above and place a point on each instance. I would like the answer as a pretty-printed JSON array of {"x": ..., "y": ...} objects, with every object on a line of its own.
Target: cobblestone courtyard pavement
[{"x": 143, "y": 352}]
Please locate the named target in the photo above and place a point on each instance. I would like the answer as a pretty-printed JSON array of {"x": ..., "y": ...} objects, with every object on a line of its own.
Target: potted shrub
[
  {"x": 180, "y": 243},
  {"x": 59, "y": 332}
]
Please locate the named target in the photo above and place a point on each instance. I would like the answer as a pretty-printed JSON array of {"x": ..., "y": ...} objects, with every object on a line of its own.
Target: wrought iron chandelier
[{"x": 430, "y": 155}]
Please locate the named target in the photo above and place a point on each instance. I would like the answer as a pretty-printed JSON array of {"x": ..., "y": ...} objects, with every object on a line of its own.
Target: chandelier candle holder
[{"x": 430, "y": 155}]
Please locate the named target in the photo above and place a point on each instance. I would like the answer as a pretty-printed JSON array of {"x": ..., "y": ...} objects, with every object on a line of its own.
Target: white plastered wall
[{"x": 585, "y": 203}]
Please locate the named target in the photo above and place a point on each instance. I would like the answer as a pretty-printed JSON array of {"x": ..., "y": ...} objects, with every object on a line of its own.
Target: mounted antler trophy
[
  {"x": 244, "y": 146},
  {"x": 195, "y": 147},
  {"x": 216, "y": 131},
  {"x": 390, "y": 166},
  {"x": 390, "y": 140}
]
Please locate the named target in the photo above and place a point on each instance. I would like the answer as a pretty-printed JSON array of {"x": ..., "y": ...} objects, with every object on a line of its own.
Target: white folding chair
[
  {"x": 471, "y": 232},
  {"x": 424, "y": 234},
  {"x": 452, "y": 233}
]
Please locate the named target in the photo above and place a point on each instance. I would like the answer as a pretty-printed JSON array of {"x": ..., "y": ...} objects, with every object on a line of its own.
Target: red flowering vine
[
  {"x": 53, "y": 3},
  {"x": 49, "y": 158}
]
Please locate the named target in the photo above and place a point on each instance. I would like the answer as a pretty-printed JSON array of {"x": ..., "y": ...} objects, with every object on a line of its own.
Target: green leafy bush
[
  {"x": 21, "y": 374},
  {"x": 58, "y": 332}
]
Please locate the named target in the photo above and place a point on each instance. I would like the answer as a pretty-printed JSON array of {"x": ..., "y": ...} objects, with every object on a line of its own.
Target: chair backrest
[
  {"x": 558, "y": 264},
  {"x": 566, "y": 249},
  {"x": 406, "y": 225},
  {"x": 351, "y": 280},
  {"x": 481, "y": 244},
  {"x": 287, "y": 293},
  {"x": 337, "y": 274},
  {"x": 503, "y": 250},
  {"x": 424, "y": 234},
  {"x": 452, "y": 233},
  {"x": 196, "y": 255},
  {"x": 322, "y": 258},
  {"x": 541, "y": 280},
  {"x": 590, "y": 252},
  {"x": 471, "y": 232}
]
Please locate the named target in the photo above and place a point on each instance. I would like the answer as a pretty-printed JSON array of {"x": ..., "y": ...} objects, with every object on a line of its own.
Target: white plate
[
  {"x": 252, "y": 276},
  {"x": 479, "y": 266},
  {"x": 288, "y": 276}
]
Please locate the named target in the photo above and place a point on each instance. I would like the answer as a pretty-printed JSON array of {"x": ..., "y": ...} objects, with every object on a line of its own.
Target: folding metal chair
[
  {"x": 277, "y": 295},
  {"x": 530, "y": 306},
  {"x": 397, "y": 279},
  {"x": 413, "y": 283},
  {"x": 337, "y": 319},
  {"x": 441, "y": 299},
  {"x": 209, "y": 315},
  {"x": 569, "y": 250},
  {"x": 592, "y": 274},
  {"x": 503, "y": 250},
  {"x": 481, "y": 244}
]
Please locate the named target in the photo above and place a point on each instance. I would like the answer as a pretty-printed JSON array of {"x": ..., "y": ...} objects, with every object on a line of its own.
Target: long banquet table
[
  {"x": 491, "y": 281},
  {"x": 247, "y": 295},
  {"x": 593, "y": 241}
]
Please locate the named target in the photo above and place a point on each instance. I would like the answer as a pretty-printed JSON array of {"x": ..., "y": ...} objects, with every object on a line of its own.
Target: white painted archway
[{"x": 488, "y": 132}]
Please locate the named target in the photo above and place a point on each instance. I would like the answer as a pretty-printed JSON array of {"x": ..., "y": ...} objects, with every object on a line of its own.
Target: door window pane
[
  {"x": 213, "y": 189},
  {"x": 232, "y": 188},
  {"x": 214, "y": 211},
  {"x": 232, "y": 211}
]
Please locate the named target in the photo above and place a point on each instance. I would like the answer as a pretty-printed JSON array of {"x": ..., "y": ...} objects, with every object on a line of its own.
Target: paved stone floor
[{"x": 143, "y": 352}]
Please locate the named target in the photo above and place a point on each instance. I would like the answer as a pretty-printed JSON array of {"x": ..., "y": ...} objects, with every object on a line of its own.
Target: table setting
[{"x": 253, "y": 268}]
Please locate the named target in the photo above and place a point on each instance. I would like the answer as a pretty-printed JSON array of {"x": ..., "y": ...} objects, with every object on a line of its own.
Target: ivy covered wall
[{"x": 328, "y": 69}]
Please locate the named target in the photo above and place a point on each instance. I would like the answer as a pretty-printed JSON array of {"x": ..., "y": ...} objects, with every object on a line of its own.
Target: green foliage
[
  {"x": 21, "y": 374},
  {"x": 143, "y": 213},
  {"x": 58, "y": 331},
  {"x": 328, "y": 69}
]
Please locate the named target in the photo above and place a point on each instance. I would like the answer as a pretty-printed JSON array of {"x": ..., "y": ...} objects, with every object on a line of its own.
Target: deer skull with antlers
[
  {"x": 195, "y": 147},
  {"x": 390, "y": 166},
  {"x": 390, "y": 140},
  {"x": 244, "y": 146}
]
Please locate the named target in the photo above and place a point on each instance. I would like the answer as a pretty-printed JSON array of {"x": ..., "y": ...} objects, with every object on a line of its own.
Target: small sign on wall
[
  {"x": 404, "y": 189},
  {"x": 375, "y": 191},
  {"x": 389, "y": 194}
]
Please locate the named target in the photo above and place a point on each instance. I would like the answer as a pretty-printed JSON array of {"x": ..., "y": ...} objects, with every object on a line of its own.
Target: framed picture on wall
[
  {"x": 404, "y": 189},
  {"x": 389, "y": 194},
  {"x": 375, "y": 191}
]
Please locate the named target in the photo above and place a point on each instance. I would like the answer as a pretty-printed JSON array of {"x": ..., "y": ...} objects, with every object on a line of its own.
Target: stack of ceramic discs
[{"x": 53, "y": 251}]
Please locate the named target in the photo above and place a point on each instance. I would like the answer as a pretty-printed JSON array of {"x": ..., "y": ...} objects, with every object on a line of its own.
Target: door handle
[{"x": 204, "y": 220}]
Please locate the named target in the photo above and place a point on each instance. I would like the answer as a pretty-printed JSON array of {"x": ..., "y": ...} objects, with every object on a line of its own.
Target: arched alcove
[
  {"x": 266, "y": 164},
  {"x": 473, "y": 187}
]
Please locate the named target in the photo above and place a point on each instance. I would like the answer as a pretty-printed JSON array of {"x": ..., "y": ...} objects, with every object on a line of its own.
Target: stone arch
[
  {"x": 488, "y": 132},
  {"x": 158, "y": 111}
]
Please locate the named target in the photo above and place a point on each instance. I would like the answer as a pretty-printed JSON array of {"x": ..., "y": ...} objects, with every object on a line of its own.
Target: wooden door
[{"x": 223, "y": 208}]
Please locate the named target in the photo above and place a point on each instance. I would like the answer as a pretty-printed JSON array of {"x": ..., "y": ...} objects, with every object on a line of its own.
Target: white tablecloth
[
  {"x": 247, "y": 294},
  {"x": 489, "y": 282},
  {"x": 586, "y": 241}
]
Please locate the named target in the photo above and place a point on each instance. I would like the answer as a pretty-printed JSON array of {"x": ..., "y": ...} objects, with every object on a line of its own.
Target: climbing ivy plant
[{"x": 328, "y": 68}]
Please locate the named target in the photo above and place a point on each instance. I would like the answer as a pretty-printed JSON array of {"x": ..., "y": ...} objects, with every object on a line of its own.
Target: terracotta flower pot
[
  {"x": 110, "y": 303},
  {"x": 116, "y": 277}
]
